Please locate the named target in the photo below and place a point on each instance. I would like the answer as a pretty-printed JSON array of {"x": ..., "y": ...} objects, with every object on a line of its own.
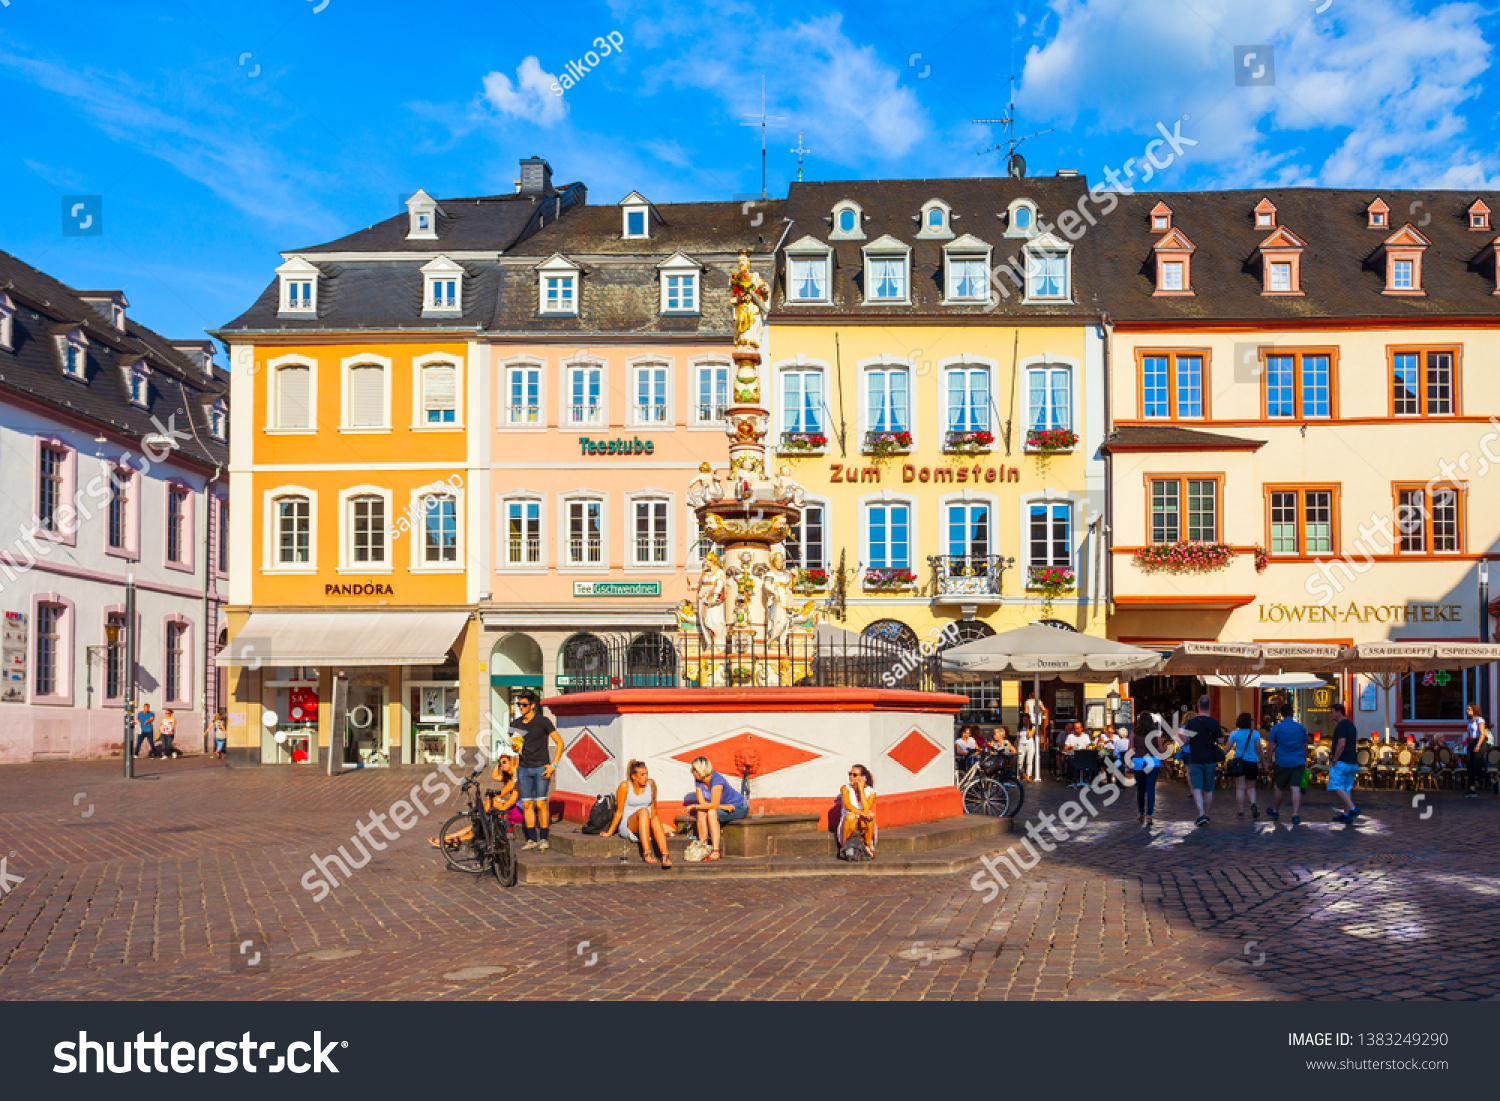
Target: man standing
[
  {"x": 147, "y": 719},
  {"x": 1344, "y": 763},
  {"x": 536, "y": 768},
  {"x": 1288, "y": 745},
  {"x": 1076, "y": 741},
  {"x": 1204, "y": 736}
]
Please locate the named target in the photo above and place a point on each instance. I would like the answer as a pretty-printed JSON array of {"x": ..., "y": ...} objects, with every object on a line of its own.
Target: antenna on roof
[
  {"x": 1015, "y": 164},
  {"x": 801, "y": 152},
  {"x": 763, "y": 120}
]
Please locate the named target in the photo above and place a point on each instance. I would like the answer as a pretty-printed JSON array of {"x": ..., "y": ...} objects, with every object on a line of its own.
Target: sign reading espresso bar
[{"x": 1361, "y": 613}]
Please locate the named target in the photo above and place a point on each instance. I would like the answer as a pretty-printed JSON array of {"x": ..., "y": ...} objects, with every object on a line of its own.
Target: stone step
[
  {"x": 754, "y": 836},
  {"x": 900, "y": 839}
]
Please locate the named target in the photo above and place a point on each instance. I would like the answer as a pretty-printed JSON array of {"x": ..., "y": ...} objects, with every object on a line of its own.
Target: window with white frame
[
  {"x": 935, "y": 219},
  {"x": 367, "y": 529},
  {"x": 366, "y": 407},
  {"x": 51, "y": 649},
  {"x": 223, "y": 547},
  {"x": 114, "y": 656},
  {"x": 294, "y": 396},
  {"x": 75, "y": 356},
  {"x": 649, "y": 535},
  {"x": 442, "y": 294},
  {"x": 968, "y": 399},
  {"x": 967, "y": 277},
  {"x": 293, "y": 520},
  {"x": 1050, "y": 533},
  {"x": 807, "y": 540},
  {"x": 1046, "y": 275},
  {"x": 713, "y": 392},
  {"x": 7, "y": 322},
  {"x": 177, "y": 523},
  {"x": 523, "y": 532},
  {"x": 439, "y": 529},
  {"x": 523, "y": 388},
  {"x": 1172, "y": 275},
  {"x": 559, "y": 294},
  {"x": 887, "y": 393},
  {"x": 885, "y": 277},
  {"x": 1281, "y": 275},
  {"x": 174, "y": 682},
  {"x": 848, "y": 222},
  {"x": 968, "y": 524},
  {"x": 807, "y": 278},
  {"x": 585, "y": 395},
  {"x": 802, "y": 400},
  {"x": 888, "y": 536},
  {"x": 650, "y": 395},
  {"x": 140, "y": 387},
  {"x": 679, "y": 292},
  {"x": 218, "y": 420},
  {"x": 52, "y": 479},
  {"x": 585, "y": 532},
  {"x": 1049, "y": 392},
  {"x": 118, "y": 519},
  {"x": 1401, "y": 274},
  {"x": 439, "y": 394},
  {"x": 1021, "y": 219},
  {"x": 299, "y": 296},
  {"x": 444, "y": 283}
]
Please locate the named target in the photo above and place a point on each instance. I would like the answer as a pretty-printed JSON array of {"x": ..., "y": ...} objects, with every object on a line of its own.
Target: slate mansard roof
[{"x": 45, "y": 310}]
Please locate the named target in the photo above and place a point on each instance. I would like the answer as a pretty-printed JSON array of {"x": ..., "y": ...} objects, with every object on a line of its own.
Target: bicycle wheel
[
  {"x": 984, "y": 796},
  {"x": 504, "y": 865},
  {"x": 463, "y": 845},
  {"x": 1015, "y": 792}
]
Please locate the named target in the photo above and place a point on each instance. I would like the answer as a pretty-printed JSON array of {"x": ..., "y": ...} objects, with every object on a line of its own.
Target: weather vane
[{"x": 801, "y": 152}]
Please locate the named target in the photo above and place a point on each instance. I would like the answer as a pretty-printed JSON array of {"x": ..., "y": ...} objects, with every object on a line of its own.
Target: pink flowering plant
[
  {"x": 1186, "y": 556},
  {"x": 1262, "y": 559},
  {"x": 889, "y": 577},
  {"x": 1051, "y": 439},
  {"x": 1051, "y": 579},
  {"x": 968, "y": 440},
  {"x": 888, "y": 443},
  {"x": 803, "y": 441}
]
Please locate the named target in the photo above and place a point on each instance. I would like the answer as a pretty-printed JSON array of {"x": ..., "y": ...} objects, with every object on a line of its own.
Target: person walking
[
  {"x": 220, "y": 730},
  {"x": 1343, "y": 763},
  {"x": 1245, "y": 767},
  {"x": 536, "y": 771},
  {"x": 169, "y": 734},
  {"x": 1478, "y": 745},
  {"x": 1145, "y": 766},
  {"x": 1204, "y": 737},
  {"x": 1287, "y": 744},
  {"x": 1028, "y": 765},
  {"x": 147, "y": 729}
]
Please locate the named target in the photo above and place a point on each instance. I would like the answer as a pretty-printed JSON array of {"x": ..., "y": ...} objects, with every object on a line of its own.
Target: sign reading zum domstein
[{"x": 617, "y": 588}]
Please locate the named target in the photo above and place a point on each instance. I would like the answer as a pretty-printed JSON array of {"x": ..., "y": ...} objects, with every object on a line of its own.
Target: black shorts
[{"x": 1252, "y": 771}]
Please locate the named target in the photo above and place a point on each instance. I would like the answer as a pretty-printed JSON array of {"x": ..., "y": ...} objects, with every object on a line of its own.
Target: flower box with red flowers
[
  {"x": 1186, "y": 556},
  {"x": 887, "y": 443},
  {"x": 1051, "y": 579},
  {"x": 968, "y": 440},
  {"x": 803, "y": 441},
  {"x": 886, "y": 579},
  {"x": 1051, "y": 439},
  {"x": 812, "y": 579}
]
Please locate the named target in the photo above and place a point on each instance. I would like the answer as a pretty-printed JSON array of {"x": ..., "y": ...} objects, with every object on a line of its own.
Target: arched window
[
  {"x": 892, "y": 631},
  {"x": 584, "y": 662},
  {"x": 984, "y": 696},
  {"x": 651, "y": 662}
]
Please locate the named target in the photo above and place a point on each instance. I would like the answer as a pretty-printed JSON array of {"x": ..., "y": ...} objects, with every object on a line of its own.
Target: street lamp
[
  {"x": 112, "y": 633},
  {"x": 1484, "y": 634}
]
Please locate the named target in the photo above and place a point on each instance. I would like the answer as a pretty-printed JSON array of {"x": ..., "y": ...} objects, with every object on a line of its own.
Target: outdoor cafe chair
[
  {"x": 1363, "y": 775},
  {"x": 1426, "y": 772},
  {"x": 1446, "y": 767},
  {"x": 1492, "y": 763},
  {"x": 1320, "y": 765},
  {"x": 1383, "y": 765},
  {"x": 1405, "y": 770}
]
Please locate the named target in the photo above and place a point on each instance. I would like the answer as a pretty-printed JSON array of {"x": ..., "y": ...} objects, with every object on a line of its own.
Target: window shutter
[
  {"x": 292, "y": 393},
  {"x": 367, "y": 397},
  {"x": 439, "y": 386}
]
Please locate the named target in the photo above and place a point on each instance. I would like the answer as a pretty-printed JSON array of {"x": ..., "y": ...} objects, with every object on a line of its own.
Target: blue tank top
[{"x": 729, "y": 797}]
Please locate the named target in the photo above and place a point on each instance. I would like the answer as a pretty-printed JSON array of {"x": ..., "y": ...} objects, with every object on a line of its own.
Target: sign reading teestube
[{"x": 617, "y": 588}]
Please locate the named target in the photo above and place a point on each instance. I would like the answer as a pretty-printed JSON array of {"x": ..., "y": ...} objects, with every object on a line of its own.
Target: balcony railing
[
  {"x": 525, "y": 552},
  {"x": 712, "y": 414},
  {"x": 650, "y": 550},
  {"x": 585, "y": 552},
  {"x": 583, "y": 414},
  {"x": 524, "y": 414},
  {"x": 652, "y": 413},
  {"x": 969, "y": 575}
]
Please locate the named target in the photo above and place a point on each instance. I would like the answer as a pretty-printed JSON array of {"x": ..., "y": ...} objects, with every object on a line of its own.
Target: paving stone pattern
[{"x": 152, "y": 894}]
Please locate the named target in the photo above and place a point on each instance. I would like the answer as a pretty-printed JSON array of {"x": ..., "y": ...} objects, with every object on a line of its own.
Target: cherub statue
[
  {"x": 705, "y": 488},
  {"x": 788, "y": 490}
]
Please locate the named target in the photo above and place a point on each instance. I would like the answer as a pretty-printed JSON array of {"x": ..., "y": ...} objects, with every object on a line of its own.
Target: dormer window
[
  {"x": 679, "y": 284},
  {"x": 1281, "y": 262},
  {"x": 1265, "y": 214},
  {"x": 967, "y": 264},
  {"x": 807, "y": 270},
  {"x": 422, "y": 212},
  {"x": 7, "y": 322},
  {"x": 140, "y": 385},
  {"x": 444, "y": 287},
  {"x": 1479, "y": 215},
  {"x": 1020, "y": 219},
  {"x": 1049, "y": 270},
  {"x": 936, "y": 220},
  {"x": 109, "y": 305},
  {"x": 848, "y": 222},
  {"x": 886, "y": 272},
  {"x": 74, "y": 349},
  {"x": 558, "y": 286},
  {"x": 1174, "y": 254},
  {"x": 636, "y": 211},
  {"x": 299, "y": 286},
  {"x": 1378, "y": 214},
  {"x": 218, "y": 419},
  {"x": 1161, "y": 218},
  {"x": 1403, "y": 261}
]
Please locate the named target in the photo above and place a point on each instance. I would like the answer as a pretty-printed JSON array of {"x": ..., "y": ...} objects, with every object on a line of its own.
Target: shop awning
[{"x": 344, "y": 638}]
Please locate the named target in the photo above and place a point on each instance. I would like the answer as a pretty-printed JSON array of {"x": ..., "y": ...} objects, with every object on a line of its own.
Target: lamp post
[
  {"x": 1484, "y": 634},
  {"x": 129, "y": 691}
]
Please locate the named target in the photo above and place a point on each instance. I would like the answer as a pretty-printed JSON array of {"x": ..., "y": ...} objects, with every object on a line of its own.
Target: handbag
[{"x": 1236, "y": 767}]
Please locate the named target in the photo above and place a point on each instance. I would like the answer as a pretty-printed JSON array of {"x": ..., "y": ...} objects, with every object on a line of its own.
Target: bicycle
[
  {"x": 479, "y": 840},
  {"x": 991, "y": 786}
]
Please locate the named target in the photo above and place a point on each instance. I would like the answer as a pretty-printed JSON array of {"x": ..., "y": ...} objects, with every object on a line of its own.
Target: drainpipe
[
  {"x": 1109, "y": 471},
  {"x": 210, "y": 588}
]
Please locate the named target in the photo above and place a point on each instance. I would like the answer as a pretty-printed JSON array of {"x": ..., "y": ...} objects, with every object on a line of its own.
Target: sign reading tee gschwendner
[{"x": 617, "y": 588}]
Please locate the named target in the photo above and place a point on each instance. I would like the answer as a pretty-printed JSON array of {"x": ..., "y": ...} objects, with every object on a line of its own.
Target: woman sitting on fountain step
[
  {"x": 857, "y": 804},
  {"x": 717, "y": 804},
  {"x": 635, "y": 813}
]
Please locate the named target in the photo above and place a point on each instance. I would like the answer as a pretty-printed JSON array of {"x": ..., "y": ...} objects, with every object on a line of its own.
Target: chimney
[{"x": 536, "y": 176}]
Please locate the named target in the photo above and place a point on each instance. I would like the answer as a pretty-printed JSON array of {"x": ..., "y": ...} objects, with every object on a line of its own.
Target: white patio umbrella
[
  {"x": 1278, "y": 680},
  {"x": 1038, "y": 649},
  {"x": 1384, "y": 663}
]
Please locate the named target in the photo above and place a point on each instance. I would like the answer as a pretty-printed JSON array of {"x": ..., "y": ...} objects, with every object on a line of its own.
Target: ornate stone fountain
[{"x": 745, "y": 627}]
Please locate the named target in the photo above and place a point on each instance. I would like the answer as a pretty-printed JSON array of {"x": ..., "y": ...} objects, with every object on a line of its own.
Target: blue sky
[{"x": 220, "y": 134}]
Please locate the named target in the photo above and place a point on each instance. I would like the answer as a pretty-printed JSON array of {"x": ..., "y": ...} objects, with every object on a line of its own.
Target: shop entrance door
[{"x": 365, "y": 737}]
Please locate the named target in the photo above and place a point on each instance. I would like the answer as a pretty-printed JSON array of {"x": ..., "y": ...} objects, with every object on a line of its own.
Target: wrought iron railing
[{"x": 968, "y": 574}]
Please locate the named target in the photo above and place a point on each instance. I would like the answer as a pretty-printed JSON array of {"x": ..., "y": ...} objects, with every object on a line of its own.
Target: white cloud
[
  {"x": 1367, "y": 92},
  {"x": 530, "y": 98}
]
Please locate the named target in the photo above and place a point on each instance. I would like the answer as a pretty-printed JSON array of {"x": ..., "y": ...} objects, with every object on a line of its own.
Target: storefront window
[
  {"x": 1438, "y": 695},
  {"x": 434, "y": 716}
]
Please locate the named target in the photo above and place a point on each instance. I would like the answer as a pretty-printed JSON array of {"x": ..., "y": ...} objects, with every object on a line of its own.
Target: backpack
[
  {"x": 853, "y": 850},
  {"x": 601, "y": 814}
]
